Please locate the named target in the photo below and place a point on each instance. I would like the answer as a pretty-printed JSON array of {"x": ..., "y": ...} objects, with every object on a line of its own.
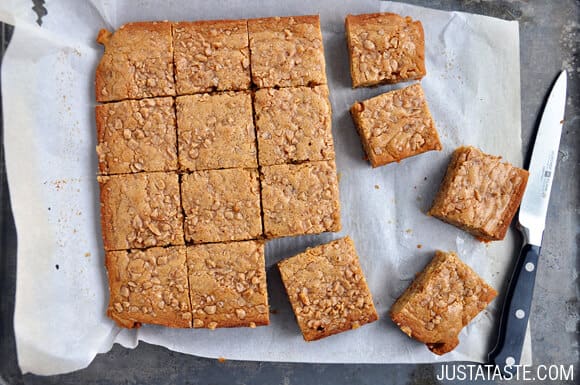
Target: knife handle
[{"x": 516, "y": 310}]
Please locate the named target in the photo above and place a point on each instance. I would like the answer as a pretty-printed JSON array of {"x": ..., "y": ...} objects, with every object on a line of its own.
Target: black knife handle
[{"x": 516, "y": 310}]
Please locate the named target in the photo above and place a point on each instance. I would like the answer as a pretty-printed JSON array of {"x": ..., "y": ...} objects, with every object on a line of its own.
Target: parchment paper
[{"x": 473, "y": 90}]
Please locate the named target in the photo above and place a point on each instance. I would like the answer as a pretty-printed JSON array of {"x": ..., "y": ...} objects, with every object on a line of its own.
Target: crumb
[
  {"x": 409, "y": 231},
  {"x": 273, "y": 311},
  {"x": 419, "y": 245},
  {"x": 562, "y": 121},
  {"x": 338, "y": 176},
  {"x": 377, "y": 187},
  {"x": 57, "y": 266},
  {"x": 87, "y": 254},
  {"x": 221, "y": 360}
]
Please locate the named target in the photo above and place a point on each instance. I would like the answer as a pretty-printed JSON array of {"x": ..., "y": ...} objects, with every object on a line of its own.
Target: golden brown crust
[
  {"x": 211, "y": 55},
  {"x": 300, "y": 199},
  {"x": 136, "y": 135},
  {"x": 384, "y": 48},
  {"x": 216, "y": 131},
  {"x": 293, "y": 125},
  {"x": 395, "y": 125},
  {"x": 228, "y": 284},
  {"x": 137, "y": 63},
  {"x": 221, "y": 205},
  {"x": 148, "y": 286},
  {"x": 140, "y": 210},
  {"x": 442, "y": 300},
  {"x": 327, "y": 289},
  {"x": 286, "y": 51},
  {"x": 479, "y": 194}
]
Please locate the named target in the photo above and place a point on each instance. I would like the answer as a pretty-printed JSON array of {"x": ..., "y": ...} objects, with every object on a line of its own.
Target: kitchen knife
[{"x": 532, "y": 220}]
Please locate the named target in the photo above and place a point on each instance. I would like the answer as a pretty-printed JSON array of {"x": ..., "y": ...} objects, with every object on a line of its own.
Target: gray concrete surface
[{"x": 550, "y": 35}]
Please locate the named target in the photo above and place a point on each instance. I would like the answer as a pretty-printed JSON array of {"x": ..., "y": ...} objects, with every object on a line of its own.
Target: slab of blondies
[
  {"x": 195, "y": 154},
  {"x": 327, "y": 289},
  {"x": 479, "y": 193},
  {"x": 211, "y": 55},
  {"x": 228, "y": 284},
  {"x": 384, "y": 48},
  {"x": 148, "y": 286},
  {"x": 137, "y": 63},
  {"x": 286, "y": 51},
  {"x": 443, "y": 299},
  {"x": 300, "y": 199},
  {"x": 395, "y": 125}
]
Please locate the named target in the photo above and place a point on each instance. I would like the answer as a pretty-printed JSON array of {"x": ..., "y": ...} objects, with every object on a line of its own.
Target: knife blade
[{"x": 532, "y": 220}]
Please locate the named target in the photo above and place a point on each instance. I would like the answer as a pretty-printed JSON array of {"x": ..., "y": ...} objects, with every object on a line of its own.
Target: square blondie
[
  {"x": 216, "y": 131},
  {"x": 136, "y": 135},
  {"x": 300, "y": 199},
  {"x": 148, "y": 286},
  {"x": 443, "y": 299},
  {"x": 286, "y": 51},
  {"x": 395, "y": 125},
  {"x": 480, "y": 194},
  {"x": 137, "y": 63},
  {"x": 293, "y": 125},
  {"x": 211, "y": 55},
  {"x": 327, "y": 289},
  {"x": 384, "y": 48},
  {"x": 221, "y": 205},
  {"x": 140, "y": 210},
  {"x": 228, "y": 284}
]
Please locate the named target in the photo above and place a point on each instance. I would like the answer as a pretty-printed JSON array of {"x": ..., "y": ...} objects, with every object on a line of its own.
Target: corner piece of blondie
[
  {"x": 137, "y": 63},
  {"x": 148, "y": 286}
]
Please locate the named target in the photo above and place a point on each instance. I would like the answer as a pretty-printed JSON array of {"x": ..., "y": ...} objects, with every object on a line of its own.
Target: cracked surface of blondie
[
  {"x": 228, "y": 284},
  {"x": 137, "y": 63},
  {"x": 140, "y": 210},
  {"x": 395, "y": 125},
  {"x": 327, "y": 289},
  {"x": 148, "y": 286},
  {"x": 216, "y": 131},
  {"x": 384, "y": 48},
  {"x": 286, "y": 51},
  {"x": 479, "y": 193},
  {"x": 293, "y": 125},
  {"x": 442, "y": 300},
  {"x": 211, "y": 55},
  {"x": 136, "y": 135},
  {"x": 300, "y": 199},
  {"x": 221, "y": 205}
]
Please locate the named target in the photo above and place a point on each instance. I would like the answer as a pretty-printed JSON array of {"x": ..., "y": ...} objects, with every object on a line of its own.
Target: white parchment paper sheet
[{"x": 473, "y": 90}]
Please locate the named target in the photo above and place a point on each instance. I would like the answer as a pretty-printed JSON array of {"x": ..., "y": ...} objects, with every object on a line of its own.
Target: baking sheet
[{"x": 472, "y": 87}]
